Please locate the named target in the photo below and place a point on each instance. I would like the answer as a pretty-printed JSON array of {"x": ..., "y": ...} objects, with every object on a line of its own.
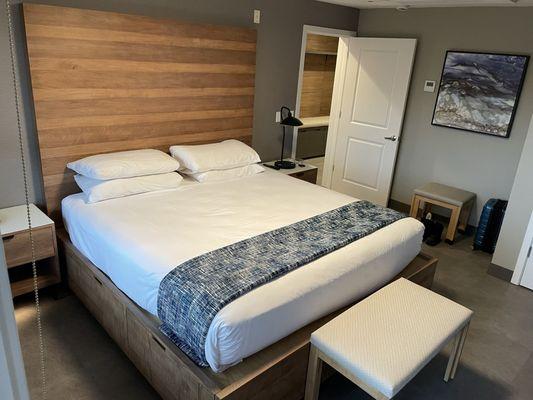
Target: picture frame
[{"x": 479, "y": 91}]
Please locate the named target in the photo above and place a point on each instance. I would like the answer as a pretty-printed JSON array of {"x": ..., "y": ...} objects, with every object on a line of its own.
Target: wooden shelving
[
  {"x": 314, "y": 122},
  {"x": 26, "y": 285}
]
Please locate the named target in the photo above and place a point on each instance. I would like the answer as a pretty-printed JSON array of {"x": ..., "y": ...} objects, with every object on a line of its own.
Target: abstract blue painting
[{"x": 479, "y": 92}]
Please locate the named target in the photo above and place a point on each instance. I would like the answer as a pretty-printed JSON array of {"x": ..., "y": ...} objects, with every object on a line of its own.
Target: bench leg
[
  {"x": 465, "y": 214},
  {"x": 415, "y": 205},
  {"x": 452, "y": 227},
  {"x": 460, "y": 350},
  {"x": 455, "y": 354},
  {"x": 314, "y": 372}
]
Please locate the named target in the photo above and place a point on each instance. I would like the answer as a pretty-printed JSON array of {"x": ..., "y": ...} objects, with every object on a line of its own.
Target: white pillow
[
  {"x": 124, "y": 164},
  {"x": 97, "y": 190},
  {"x": 226, "y": 174},
  {"x": 215, "y": 156}
]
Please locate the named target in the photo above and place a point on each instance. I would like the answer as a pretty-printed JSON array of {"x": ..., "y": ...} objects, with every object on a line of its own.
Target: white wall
[
  {"x": 518, "y": 210},
  {"x": 479, "y": 163},
  {"x": 12, "y": 378}
]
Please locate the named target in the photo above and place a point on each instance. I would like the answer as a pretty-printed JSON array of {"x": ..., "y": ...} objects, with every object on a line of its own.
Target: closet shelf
[
  {"x": 313, "y": 122},
  {"x": 322, "y": 53}
]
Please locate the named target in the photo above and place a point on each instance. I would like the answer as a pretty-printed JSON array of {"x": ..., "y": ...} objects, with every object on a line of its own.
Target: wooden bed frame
[
  {"x": 277, "y": 372},
  {"x": 104, "y": 82}
]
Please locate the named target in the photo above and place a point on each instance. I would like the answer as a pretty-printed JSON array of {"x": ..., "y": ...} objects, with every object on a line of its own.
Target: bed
[
  {"x": 104, "y": 82},
  {"x": 137, "y": 240}
]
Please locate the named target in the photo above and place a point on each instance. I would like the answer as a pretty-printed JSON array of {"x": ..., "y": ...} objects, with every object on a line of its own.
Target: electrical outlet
[{"x": 257, "y": 16}]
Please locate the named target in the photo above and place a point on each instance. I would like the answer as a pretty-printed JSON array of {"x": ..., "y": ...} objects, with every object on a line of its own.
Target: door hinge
[
  {"x": 333, "y": 170},
  {"x": 340, "y": 114},
  {"x": 529, "y": 251}
]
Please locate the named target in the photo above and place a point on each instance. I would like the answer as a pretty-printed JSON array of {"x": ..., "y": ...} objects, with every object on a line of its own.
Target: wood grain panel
[
  {"x": 17, "y": 247},
  {"x": 80, "y": 18},
  {"x": 321, "y": 44},
  {"x": 106, "y": 82},
  {"x": 107, "y": 35},
  {"x": 80, "y": 64},
  {"x": 57, "y": 79},
  {"x": 317, "y": 85},
  {"x": 328, "y": 77},
  {"x": 94, "y": 49},
  {"x": 148, "y": 119},
  {"x": 139, "y": 105},
  {"x": 82, "y": 135},
  {"x": 80, "y": 94}
]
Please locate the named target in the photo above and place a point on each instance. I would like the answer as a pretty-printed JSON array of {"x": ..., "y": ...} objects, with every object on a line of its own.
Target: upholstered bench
[
  {"x": 459, "y": 201},
  {"x": 383, "y": 341}
]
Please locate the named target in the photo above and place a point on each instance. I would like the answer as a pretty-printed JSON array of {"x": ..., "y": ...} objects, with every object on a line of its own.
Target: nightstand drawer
[
  {"x": 308, "y": 176},
  {"x": 17, "y": 247}
]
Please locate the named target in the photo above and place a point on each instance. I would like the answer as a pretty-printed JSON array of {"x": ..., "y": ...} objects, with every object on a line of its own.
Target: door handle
[{"x": 391, "y": 138}]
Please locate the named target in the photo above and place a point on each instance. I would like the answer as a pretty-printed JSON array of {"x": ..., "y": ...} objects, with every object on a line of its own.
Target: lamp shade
[{"x": 291, "y": 121}]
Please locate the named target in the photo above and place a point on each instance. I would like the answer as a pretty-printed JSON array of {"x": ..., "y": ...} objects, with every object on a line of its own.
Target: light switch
[{"x": 257, "y": 16}]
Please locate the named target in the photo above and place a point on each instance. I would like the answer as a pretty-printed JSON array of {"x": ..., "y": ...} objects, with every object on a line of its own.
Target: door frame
[
  {"x": 335, "y": 114},
  {"x": 318, "y": 30},
  {"x": 522, "y": 256}
]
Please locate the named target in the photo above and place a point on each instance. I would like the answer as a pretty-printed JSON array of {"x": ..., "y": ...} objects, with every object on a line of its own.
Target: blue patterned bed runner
[{"x": 194, "y": 292}]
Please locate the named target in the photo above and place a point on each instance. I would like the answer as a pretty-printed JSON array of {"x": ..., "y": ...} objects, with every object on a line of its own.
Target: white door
[
  {"x": 373, "y": 97},
  {"x": 527, "y": 277}
]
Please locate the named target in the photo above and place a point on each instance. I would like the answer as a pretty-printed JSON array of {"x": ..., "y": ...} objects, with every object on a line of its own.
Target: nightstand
[
  {"x": 17, "y": 247},
  {"x": 306, "y": 173}
]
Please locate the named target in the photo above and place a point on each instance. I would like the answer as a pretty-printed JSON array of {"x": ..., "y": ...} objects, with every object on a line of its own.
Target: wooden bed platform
[{"x": 277, "y": 372}]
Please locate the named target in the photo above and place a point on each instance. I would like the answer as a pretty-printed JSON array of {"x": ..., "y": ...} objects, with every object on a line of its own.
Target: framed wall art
[{"x": 479, "y": 92}]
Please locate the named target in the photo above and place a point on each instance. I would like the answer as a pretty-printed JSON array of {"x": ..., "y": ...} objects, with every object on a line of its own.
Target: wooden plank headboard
[{"x": 106, "y": 82}]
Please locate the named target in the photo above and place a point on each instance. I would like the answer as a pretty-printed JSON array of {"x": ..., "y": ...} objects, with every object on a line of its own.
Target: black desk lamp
[{"x": 289, "y": 120}]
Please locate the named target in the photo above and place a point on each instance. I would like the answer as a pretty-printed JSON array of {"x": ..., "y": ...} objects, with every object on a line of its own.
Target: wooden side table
[
  {"x": 306, "y": 173},
  {"x": 17, "y": 246}
]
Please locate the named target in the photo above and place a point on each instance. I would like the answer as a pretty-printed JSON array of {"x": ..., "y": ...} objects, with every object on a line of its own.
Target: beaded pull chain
[{"x": 26, "y": 194}]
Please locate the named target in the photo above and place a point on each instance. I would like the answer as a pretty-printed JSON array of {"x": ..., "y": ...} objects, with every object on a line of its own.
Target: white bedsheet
[{"x": 137, "y": 240}]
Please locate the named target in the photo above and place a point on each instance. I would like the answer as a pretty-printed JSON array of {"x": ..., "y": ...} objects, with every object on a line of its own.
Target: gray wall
[
  {"x": 479, "y": 163},
  {"x": 278, "y": 56},
  {"x": 519, "y": 209}
]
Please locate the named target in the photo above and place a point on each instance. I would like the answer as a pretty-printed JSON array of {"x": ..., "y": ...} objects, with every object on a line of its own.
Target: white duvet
[{"x": 137, "y": 240}]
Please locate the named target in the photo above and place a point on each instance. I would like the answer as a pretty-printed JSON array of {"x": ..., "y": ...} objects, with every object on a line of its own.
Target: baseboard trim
[
  {"x": 399, "y": 206},
  {"x": 500, "y": 272}
]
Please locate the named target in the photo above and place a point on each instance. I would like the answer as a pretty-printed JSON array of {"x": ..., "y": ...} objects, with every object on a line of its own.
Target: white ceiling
[{"x": 429, "y": 3}]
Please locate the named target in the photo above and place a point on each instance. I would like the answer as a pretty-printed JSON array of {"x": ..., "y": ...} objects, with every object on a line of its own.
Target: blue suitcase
[{"x": 490, "y": 223}]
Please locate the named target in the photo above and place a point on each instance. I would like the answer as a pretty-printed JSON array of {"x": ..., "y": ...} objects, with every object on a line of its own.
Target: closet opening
[{"x": 318, "y": 61}]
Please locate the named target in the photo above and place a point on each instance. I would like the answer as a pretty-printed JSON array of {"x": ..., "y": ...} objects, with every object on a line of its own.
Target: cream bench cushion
[
  {"x": 387, "y": 338},
  {"x": 445, "y": 193}
]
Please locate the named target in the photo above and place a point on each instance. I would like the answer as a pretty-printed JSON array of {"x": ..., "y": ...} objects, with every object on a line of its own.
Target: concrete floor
[{"x": 83, "y": 362}]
